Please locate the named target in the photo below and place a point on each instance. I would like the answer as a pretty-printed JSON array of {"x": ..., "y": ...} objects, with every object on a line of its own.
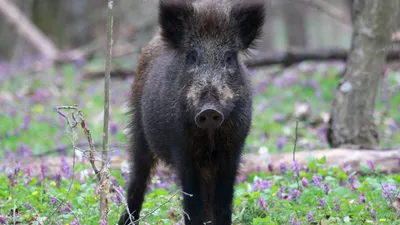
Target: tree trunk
[
  {"x": 294, "y": 15},
  {"x": 351, "y": 121}
]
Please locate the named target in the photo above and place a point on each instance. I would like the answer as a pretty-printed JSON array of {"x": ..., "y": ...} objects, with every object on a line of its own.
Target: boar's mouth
[{"x": 209, "y": 117}]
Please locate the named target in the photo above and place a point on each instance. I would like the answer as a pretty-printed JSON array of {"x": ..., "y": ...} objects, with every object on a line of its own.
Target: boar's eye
[
  {"x": 192, "y": 58},
  {"x": 229, "y": 58}
]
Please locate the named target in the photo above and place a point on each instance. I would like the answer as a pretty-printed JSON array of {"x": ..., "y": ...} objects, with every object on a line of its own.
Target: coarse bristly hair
[
  {"x": 183, "y": 22},
  {"x": 189, "y": 67}
]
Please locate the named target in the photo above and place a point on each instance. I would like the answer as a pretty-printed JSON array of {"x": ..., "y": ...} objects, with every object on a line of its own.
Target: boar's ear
[
  {"x": 173, "y": 18},
  {"x": 248, "y": 16}
]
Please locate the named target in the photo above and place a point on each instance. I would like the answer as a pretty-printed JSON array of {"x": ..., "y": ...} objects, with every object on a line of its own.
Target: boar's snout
[{"x": 209, "y": 117}]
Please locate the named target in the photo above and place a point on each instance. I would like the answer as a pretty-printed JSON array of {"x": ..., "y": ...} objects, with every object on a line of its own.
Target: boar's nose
[{"x": 209, "y": 117}]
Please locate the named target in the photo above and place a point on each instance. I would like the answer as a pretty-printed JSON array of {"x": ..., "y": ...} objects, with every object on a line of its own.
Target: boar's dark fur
[{"x": 193, "y": 64}]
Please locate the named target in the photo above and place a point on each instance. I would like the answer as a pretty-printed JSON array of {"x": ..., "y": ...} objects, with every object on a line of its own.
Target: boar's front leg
[
  {"x": 192, "y": 200},
  {"x": 224, "y": 191}
]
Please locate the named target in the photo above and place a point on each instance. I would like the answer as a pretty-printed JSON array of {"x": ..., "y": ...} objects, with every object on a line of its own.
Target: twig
[
  {"x": 295, "y": 141},
  {"x": 104, "y": 181},
  {"x": 66, "y": 205},
  {"x": 131, "y": 219},
  {"x": 162, "y": 204},
  {"x": 294, "y": 153},
  {"x": 71, "y": 126},
  {"x": 78, "y": 113}
]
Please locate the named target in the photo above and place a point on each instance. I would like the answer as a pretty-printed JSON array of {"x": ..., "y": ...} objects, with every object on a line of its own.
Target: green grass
[{"x": 30, "y": 126}]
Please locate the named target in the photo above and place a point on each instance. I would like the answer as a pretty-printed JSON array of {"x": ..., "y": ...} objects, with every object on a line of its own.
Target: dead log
[
  {"x": 387, "y": 161},
  {"x": 294, "y": 56},
  {"x": 28, "y": 30},
  {"x": 286, "y": 58}
]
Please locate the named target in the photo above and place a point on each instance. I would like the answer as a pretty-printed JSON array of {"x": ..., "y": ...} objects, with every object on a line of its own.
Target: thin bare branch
[{"x": 105, "y": 181}]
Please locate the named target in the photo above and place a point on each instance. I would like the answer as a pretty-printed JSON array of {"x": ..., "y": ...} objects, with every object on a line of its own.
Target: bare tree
[
  {"x": 351, "y": 118},
  {"x": 294, "y": 15}
]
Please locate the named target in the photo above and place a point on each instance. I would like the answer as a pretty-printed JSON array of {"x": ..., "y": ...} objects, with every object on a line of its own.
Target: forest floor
[{"x": 301, "y": 194}]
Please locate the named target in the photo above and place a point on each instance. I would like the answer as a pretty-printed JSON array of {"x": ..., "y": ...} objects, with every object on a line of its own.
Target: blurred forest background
[
  {"x": 308, "y": 40},
  {"x": 76, "y": 23}
]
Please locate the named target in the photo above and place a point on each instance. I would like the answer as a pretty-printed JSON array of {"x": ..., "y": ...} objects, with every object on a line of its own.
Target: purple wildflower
[
  {"x": 296, "y": 169},
  {"x": 75, "y": 222},
  {"x": 353, "y": 184},
  {"x": 171, "y": 212},
  {"x": 28, "y": 206},
  {"x": 113, "y": 128},
  {"x": 57, "y": 179},
  {"x": 326, "y": 188},
  {"x": 279, "y": 118},
  {"x": 294, "y": 194},
  {"x": 354, "y": 187},
  {"x": 282, "y": 167},
  {"x": 17, "y": 169},
  {"x": 262, "y": 203},
  {"x": 125, "y": 177},
  {"x": 270, "y": 167},
  {"x": 7, "y": 153},
  {"x": 393, "y": 126},
  {"x": 279, "y": 193},
  {"x": 43, "y": 170},
  {"x": 281, "y": 143},
  {"x": 262, "y": 184},
  {"x": 114, "y": 181},
  {"x": 336, "y": 205},
  {"x": 10, "y": 174},
  {"x": 28, "y": 172},
  {"x": 362, "y": 197},
  {"x": 80, "y": 62},
  {"x": 24, "y": 151},
  {"x": 372, "y": 213},
  {"x": 294, "y": 221},
  {"x": 304, "y": 182},
  {"x": 65, "y": 169},
  {"x": 353, "y": 179},
  {"x": 13, "y": 112},
  {"x": 2, "y": 220},
  {"x": 310, "y": 217},
  {"x": 53, "y": 200},
  {"x": 388, "y": 191},
  {"x": 82, "y": 178},
  {"x": 347, "y": 169},
  {"x": 67, "y": 208},
  {"x": 27, "y": 121},
  {"x": 322, "y": 202},
  {"x": 370, "y": 164},
  {"x": 317, "y": 180}
]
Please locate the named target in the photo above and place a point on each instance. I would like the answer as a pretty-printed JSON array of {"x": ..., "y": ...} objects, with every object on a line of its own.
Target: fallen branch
[
  {"x": 387, "y": 159},
  {"x": 28, "y": 30},
  {"x": 286, "y": 58},
  {"x": 298, "y": 55}
]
